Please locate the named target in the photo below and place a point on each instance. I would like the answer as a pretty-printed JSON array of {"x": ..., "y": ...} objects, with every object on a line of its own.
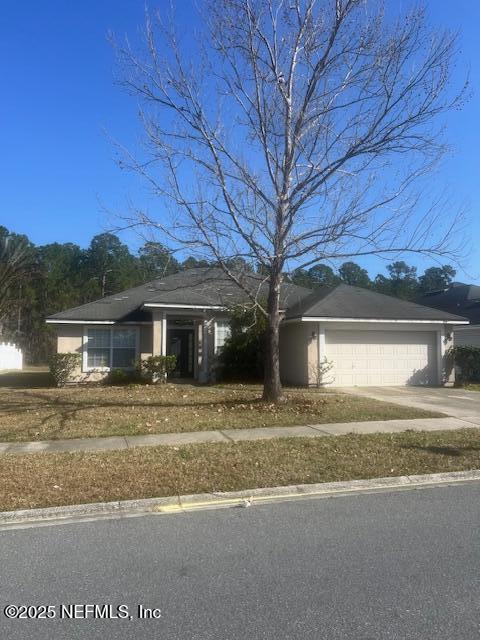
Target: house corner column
[
  {"x": 204, "y": 373},
  {"x": 320, "y": 354},
  {"x": 446, "y": 370},
  {"x": 159, "y": 322}
]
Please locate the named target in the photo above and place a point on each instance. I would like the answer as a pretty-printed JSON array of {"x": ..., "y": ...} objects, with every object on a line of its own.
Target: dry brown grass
[
  {"x": 473, "y": 387},
  {"x": 38, "y": 412},
  {"x": 59, "y": 479}
]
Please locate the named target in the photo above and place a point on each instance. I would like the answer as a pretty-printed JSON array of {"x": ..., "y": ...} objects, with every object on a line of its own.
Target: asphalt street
[{"x": 403, "y": 564}]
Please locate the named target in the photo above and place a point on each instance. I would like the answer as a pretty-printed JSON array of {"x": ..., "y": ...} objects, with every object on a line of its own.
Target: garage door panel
[{"x": 366, "y": 358}]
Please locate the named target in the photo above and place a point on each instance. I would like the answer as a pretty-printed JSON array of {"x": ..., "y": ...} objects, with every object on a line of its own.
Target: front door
[{"x": 180, "y": 344}]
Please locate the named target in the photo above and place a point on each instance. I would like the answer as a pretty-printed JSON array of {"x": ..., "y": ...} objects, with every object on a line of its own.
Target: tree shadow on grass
[
  {"x": 26, "y": 380},
  {"x": 63, "y": 411},
  {"x": 446, "y": 450}
]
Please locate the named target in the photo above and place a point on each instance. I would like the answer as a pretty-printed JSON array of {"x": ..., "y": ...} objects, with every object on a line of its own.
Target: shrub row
[{"x": 151, "y": 370}]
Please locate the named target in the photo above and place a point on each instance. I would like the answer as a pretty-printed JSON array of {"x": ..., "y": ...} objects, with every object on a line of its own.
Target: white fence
[{"x": 10, "y": 356}]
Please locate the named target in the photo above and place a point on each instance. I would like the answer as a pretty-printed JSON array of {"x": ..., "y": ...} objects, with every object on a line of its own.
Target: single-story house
[
  {"x": 368, "y": 338},
  {"x": 464, "y": 300}
]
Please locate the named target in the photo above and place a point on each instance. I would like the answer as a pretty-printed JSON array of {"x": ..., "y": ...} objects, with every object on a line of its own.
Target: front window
[
  {"x": 98, "y": 348},
  {"x": 222, "y": 333},
  {"x": 123, "y": 347},
  {"x": 111, "y": 348}
]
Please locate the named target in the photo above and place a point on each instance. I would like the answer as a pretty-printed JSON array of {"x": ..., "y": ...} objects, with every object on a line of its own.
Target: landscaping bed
[
  {"x": 71, "y": 478},
  {"x": 46, "y": 413}
]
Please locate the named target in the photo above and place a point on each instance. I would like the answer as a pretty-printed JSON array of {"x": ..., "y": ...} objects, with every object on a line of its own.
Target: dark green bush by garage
[{"x": 467, "y": 360}]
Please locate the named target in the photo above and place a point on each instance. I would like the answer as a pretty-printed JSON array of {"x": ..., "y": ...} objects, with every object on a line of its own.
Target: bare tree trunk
[{"x": 272, "y": 387}]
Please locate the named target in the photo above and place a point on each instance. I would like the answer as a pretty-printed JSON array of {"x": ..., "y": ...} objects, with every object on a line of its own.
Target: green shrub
[
  {"x": 62, "y": 365},
  {"x": 467, "y": 359},
  {"x": 242, "y": 357},
  {"x": 156, "y": 368},
  {"x": 118, "y": 377}
]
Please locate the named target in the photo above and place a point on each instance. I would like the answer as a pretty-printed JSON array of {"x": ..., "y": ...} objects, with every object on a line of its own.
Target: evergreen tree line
[
  {"x": 402, "y": 280},
  {"x": 37, "y": 281}
]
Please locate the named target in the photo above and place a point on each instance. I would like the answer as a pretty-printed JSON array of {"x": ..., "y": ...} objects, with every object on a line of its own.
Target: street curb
[{"x": 244, "y": 498}]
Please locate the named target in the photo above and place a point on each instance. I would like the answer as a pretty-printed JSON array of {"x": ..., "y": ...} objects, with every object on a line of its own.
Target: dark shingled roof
[
  {"x": 344, "y": 301},
  {"x": 207, "y": 286},
  {"x": 457, "y": 298},
  {"x": 210, "y": 286}
]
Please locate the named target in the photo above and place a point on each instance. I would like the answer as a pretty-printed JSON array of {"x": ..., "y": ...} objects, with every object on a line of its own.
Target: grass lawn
[
  {"x": 29, "y": 410},
  {"x": 71, "y": 478},
  {"x": 473, "y": 387}
]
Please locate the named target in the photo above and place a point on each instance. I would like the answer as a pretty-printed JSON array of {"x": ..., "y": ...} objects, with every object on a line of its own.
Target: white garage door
[{"x": 366, "y": 358}]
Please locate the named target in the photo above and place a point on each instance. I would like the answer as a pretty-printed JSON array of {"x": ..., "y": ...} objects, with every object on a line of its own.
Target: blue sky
[{"x": 60, "y": 104}]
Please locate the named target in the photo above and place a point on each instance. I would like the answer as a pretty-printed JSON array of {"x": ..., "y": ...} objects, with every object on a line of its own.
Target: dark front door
[{"x": 180, "y": 344}]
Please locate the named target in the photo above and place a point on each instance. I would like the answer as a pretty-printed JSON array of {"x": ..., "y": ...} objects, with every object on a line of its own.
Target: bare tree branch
[{"x": 294, "y": 132}]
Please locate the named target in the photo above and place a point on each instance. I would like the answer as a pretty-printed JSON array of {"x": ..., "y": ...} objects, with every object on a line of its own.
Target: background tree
[
  {"x": 156, "y": 261},
  {"x": 16, "y": 264},
  {"x": 275, "y": 137},
  {"x": 193, "y": 263},
  {"x": 436, "y": 278},
  {"x": 350, "y": 273},
  {"x": 402, "y": 282},
  {"x": 320, "y": 275},
  {"x": 110, "y": 266}
]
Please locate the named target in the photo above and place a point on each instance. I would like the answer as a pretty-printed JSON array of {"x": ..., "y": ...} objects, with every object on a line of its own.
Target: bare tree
[{"x": 292, "y": 132}]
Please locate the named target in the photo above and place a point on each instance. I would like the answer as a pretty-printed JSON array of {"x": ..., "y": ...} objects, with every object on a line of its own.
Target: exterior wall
[
  {"x": 468, "y": 336},
  {"x": 70, "y": 340},
  {"x": 296, "y": 353},
  {"x": 151, "y": 342},
  {"x": 146, "y": 340},
  {"x": 446, "y": 368}
]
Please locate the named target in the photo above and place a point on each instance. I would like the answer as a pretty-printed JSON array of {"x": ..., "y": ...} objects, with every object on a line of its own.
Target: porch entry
[{"x": 181, "y": 343}]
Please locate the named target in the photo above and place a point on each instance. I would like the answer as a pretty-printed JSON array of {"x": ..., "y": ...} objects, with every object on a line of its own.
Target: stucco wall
[
  {"x": 69, "y": 338},
  {"x": 296, "y": 350},
  {"x": 146, "y": 340}
]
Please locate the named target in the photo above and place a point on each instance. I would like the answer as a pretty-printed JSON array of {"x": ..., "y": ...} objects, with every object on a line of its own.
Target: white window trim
[
  {"x": 215, "y": 335},
  {"x": 86, "y": 368}
]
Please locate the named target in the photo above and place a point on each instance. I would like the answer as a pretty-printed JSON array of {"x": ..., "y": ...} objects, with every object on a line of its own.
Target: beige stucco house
[{"x": 365, "y": 337}]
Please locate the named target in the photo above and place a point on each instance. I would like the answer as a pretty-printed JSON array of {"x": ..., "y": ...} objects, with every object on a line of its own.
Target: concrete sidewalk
[{"x": 236, "y": 435}]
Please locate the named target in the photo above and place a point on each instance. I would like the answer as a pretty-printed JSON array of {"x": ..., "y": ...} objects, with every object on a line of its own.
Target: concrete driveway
[{"x": 453, "y": 402}]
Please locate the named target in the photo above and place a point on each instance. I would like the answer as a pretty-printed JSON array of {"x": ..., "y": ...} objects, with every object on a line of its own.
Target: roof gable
[
  {"x": 344, "y": 301},
  {"x": 203, "y": 287},
  {"x": 458, "y": 298}
]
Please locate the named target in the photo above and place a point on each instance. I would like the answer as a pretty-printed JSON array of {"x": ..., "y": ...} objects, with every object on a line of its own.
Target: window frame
[
  {"x": 111, "y": 329},
  {"x": 216, "y": 346}
]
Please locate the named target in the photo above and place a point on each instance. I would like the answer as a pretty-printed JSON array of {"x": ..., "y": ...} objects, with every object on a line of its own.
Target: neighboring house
[
  {"x": 370, "y": 338},
  {"x": 464, "y": 300}
]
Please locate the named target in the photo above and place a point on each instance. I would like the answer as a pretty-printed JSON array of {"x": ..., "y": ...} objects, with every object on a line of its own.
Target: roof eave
[
  {"x": 164, "y": 305},
  {"x": 378, "y": 320}
]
